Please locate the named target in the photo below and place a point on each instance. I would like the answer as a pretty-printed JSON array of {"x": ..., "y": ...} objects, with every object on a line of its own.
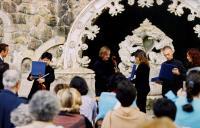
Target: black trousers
[{"x": 141, "y": 101}]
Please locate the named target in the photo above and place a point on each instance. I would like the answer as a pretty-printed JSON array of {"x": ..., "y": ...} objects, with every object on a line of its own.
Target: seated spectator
[
  {"x": 43, "y": 106},
  {"x": 69, "y": 116},
  {"x": 8, "y": 97},
  {"x": 163, "y": 122},
  {"x": 108, "y": 100},
  {"x": 164, "y": 108},
  {"x": 58, "y": 87},
  {"x": 188, "y": 108},
  {"x": 124, "y": 116},
  {"x": 21, "y": 115},
  {"x": 88, "y": 107}
]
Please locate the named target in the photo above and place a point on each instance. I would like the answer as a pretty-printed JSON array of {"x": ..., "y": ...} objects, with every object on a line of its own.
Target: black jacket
[{"x": 48, "y": 80}]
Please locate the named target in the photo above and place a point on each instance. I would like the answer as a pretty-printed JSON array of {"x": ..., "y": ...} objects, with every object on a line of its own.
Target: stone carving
[
  {"x": 148, "y": 38},
  {"x": 91, "y": 31},
  {"x": 115, "y": 7}
]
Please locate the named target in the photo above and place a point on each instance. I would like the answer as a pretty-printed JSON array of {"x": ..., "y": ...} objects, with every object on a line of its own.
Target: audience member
[
  {"x": 124, "y": 116},
  {"x": 178, "y": 71},
  {"x": 8, "y": 97},
  {"x": 88, "y": 107},
  {"x": 188, "y": 108},
  {"x": 142, "y": 79},
  {"x": 21, "y": 115},
  {"x": 43, "y": 106},
  {"x": 163, "y": 122},
  {"x": 108, "y": 100},
  {"x": 164, "y": 108},
  {"x": 58, "y": 87},
  {"x": 103, "y": 68},
  {"x": 69, "y": 116},
  {"x": 43, "y": 83}
]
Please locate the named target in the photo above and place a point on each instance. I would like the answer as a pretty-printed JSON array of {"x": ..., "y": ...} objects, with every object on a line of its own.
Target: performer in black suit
[
  {"x": 43, "y": 83},
  {"x": 3, "y": 52},
  {"x": 104, "y": 68},
  {"x": 142, "y": 79},
  {"x": 178, "y": 73}
]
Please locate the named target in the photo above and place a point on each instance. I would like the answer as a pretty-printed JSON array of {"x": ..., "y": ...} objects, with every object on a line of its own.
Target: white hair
[
  {"x": 21, "y": 115},
  {"x": 10, "y": 78}
]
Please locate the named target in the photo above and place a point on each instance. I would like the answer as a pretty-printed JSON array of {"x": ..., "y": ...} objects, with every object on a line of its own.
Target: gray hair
[
  {"x": 44, "y": 106},
  {"x": 21, "y": 115},
  {"x": 10, "y": 78}
]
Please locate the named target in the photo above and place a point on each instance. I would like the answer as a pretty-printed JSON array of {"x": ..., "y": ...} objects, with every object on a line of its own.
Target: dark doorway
[{"x": 113, "y": 30}]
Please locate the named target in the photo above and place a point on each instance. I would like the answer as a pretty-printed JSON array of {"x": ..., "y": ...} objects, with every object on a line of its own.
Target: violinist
[{"x": 43, "y": 82}]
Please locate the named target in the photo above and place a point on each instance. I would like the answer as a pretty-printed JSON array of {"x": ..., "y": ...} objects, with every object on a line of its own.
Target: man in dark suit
[
  {"x": 43, "y": 83},
  {"x": 3, "y": 52},
  {"x": 179, "y": 72},
  {"x": 8, "y": 97}
]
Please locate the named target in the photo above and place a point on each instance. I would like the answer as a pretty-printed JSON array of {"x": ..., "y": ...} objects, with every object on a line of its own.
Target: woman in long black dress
[{"x": 142, "y": 79}]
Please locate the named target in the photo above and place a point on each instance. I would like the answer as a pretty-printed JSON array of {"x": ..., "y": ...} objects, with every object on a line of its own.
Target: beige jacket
[{"x": 124, "y": 117}]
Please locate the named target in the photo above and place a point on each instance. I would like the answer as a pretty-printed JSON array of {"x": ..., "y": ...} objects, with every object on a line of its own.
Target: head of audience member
[
  {"x": 59, "y": 87},
  {"x": 141, "y": 57},
  {"x": 3, "y": 50},
  {"x": 46, "y": 57},
  {"x": 104, "y": 53},
  {"x": 114, "y": 80},
  {"x": 164, "y": 108},
  {"x": 11, "y": 80},
  {"x": 193, "y": 55},
  {"x": 80, "y": 84},
  {"x": 126, "y": 93},
  {"x": 168, "y": 52},
  {"x": 21, "y": 115},
  {"x": 163, "y": 122},
  {"x": 44, "y": 106},
  {"x": 192, "y": 87},
  {"x": 70, "y": 100}
]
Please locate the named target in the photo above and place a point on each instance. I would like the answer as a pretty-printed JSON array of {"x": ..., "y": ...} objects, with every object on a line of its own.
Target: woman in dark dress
[
  {"x": 142, "y": 79},
  {"x": 193, "y": 57},
  {"x": 43, "y": 83}
]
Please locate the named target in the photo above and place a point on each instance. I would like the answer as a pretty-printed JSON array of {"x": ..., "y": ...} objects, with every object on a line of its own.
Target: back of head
[
  {"x": 192, "y": 87},
  {"x": 46, "y": 55},
  {"x": 80, "y": 84},
  {"x": 114, "y": 80},
  {"x": 11, "y": 78},
  {"x": 21, "y": 115},
  {"x": 158, "y": 123},
  {"x": 44, "y": 106},
  {"x": 125, "y": 93},
  {"x": 142, "y": 56},
  {"x": 59, "y": 86},
  {"x": 164, "y": 108},
  {"x": 70, "y": 100}
]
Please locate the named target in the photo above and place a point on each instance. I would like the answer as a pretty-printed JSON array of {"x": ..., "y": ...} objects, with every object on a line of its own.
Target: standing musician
[{"x": 43, "y": 82}]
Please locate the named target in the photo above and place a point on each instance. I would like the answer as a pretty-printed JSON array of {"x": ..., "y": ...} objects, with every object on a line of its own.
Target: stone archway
[{"x": 83, "y": 25}]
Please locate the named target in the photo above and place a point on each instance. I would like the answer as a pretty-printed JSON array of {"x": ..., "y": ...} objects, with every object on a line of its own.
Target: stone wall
[{"x": 28, "y": 25}]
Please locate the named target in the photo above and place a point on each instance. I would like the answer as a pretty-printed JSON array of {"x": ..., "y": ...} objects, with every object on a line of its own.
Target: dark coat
[
  {"x": 142, "y": 78},
  {"x": 177, "y": 82},
  {"x": 103, "y": 71},
  {"x": 8, "y": 102},
  {"x": 48, "y": 80}
]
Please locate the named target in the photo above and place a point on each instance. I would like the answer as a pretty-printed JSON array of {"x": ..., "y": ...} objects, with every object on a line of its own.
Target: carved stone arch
[
  {"x": 8, "y": 27},
  {"x": 83, "y": 25}
]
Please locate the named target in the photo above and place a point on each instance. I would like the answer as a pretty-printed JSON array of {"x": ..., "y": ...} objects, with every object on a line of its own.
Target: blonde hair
[
  {"x": 103, "y": 50},
  {"x": 163, "y": 122},
  {"x": 70, "y": 100}
]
